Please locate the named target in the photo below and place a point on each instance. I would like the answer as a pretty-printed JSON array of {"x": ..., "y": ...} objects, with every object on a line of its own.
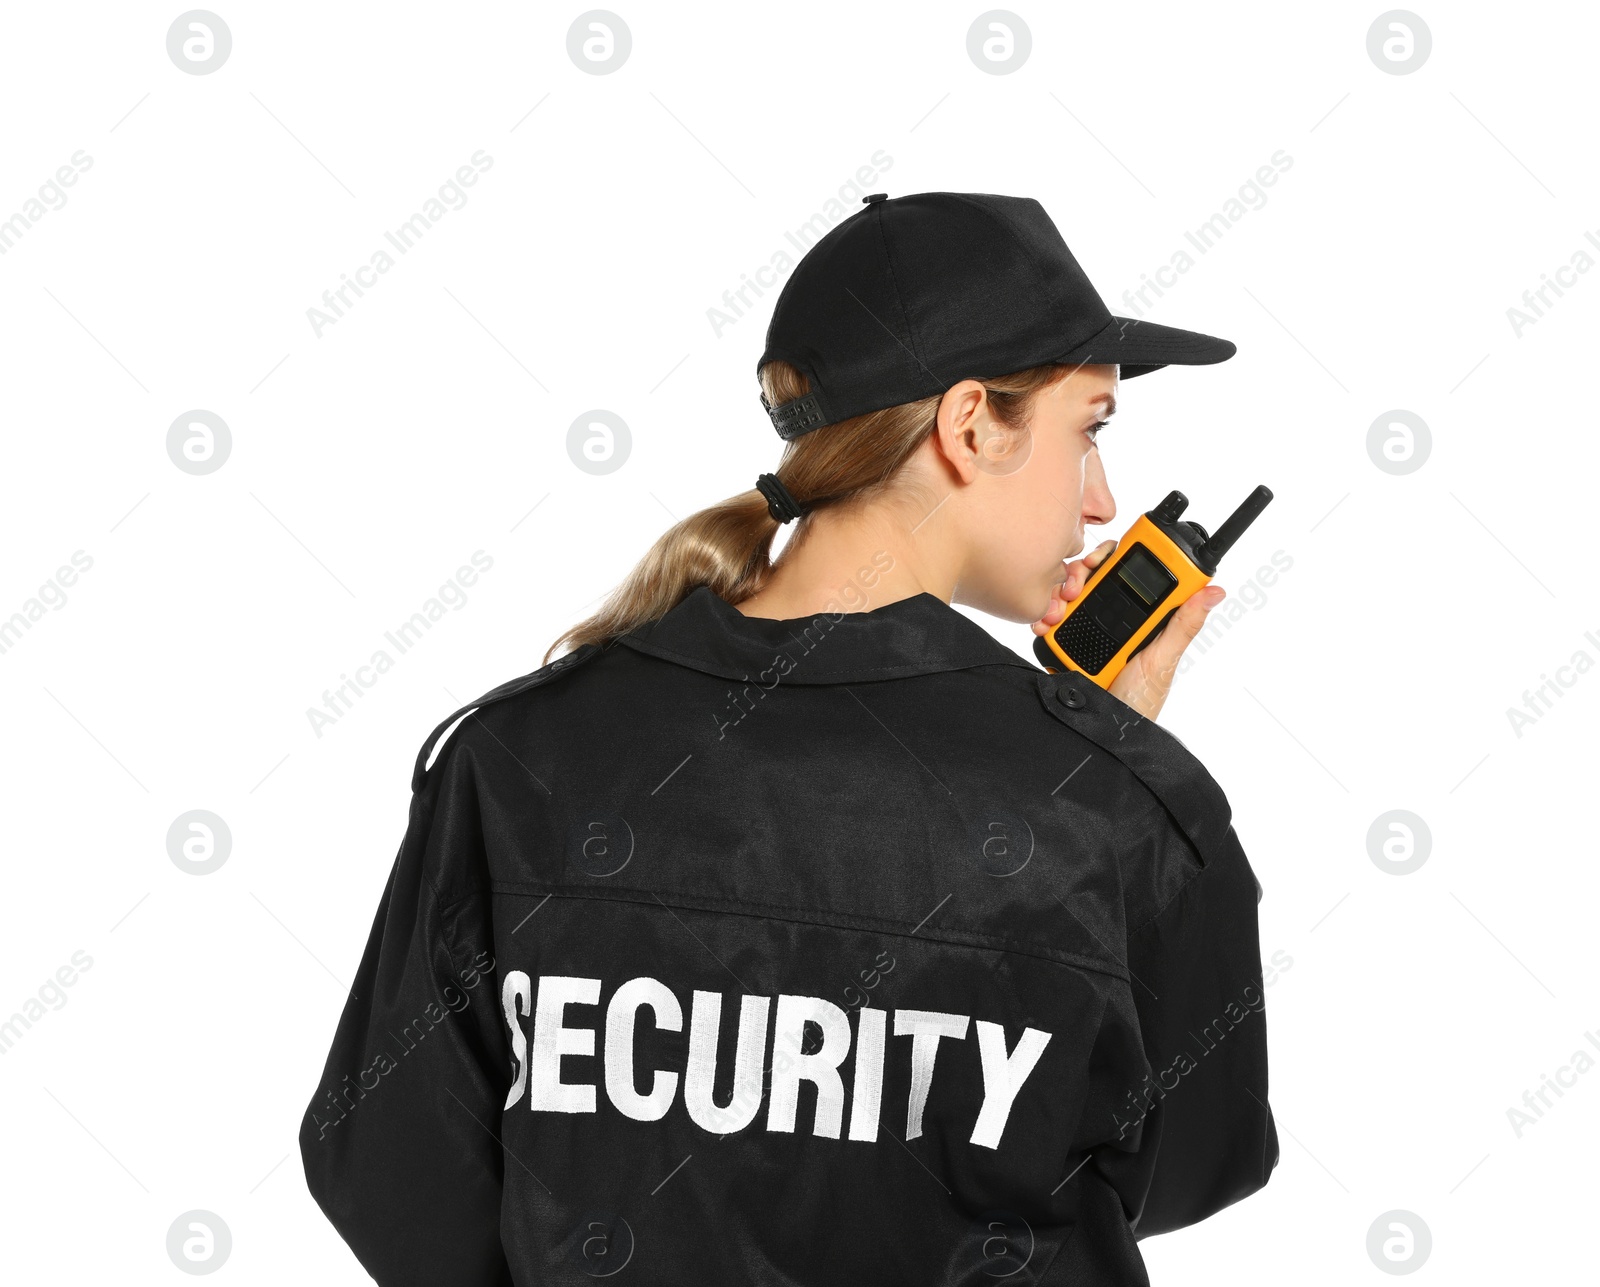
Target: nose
[{"x": 1099, "y": 506}]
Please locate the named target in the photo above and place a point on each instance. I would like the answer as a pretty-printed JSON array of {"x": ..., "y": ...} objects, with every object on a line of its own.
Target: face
[{"x": 1029, "y": 493}]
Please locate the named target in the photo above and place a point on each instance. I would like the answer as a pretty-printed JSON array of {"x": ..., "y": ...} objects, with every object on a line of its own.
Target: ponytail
[{"x": 728, "y": 545}]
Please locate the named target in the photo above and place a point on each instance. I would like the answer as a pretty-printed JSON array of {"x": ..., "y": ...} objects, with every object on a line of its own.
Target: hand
[
  {"x": 1077, "y": 573},
  {"x": 1145, "y": 681}
]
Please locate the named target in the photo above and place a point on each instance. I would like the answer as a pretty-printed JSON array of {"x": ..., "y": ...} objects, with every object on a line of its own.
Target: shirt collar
[{"x": 917, "y": 636}]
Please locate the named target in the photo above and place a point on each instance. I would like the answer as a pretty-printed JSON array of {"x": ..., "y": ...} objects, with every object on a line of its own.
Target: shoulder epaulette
[{"x": 436, "y": 739}]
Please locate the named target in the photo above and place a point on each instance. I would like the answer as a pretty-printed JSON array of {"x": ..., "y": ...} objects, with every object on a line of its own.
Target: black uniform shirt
[{"x": 850, "y": 950}]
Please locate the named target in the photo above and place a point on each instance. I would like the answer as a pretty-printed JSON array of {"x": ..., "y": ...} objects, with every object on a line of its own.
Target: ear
[{"x": 964, "y": 424}]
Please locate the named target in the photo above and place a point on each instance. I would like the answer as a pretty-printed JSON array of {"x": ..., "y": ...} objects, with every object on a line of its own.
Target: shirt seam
[
  {"x": 900, "y": 302},
  {"x": 842, "y": 677},
  {"x": 769, "y": 911}
]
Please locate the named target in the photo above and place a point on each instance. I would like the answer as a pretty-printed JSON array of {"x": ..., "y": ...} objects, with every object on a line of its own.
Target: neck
[{"x": 841, "y": 561}]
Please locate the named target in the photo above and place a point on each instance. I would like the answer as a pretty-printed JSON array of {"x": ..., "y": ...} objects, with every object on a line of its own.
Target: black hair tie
[{"x": 780, "y": 504}]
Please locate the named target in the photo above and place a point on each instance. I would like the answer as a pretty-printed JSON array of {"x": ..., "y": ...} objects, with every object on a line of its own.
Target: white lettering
[
  {"x": 620, "y": 1017},
  {"x": 546, "y": 1090},
  {"x": 1003, "y": 1076},
  {"x": 821, "y": 1069},
  {"x": 867, "y": 1092},
  {"x": 705, "y": 1022},
  {"x": 517, "y": 987},
  {"x": 925, "y": 1027},
  {"x": 784, "y": 1063}
]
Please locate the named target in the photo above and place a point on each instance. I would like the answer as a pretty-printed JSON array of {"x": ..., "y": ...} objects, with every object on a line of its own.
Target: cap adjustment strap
[{"x": 797, "y": 416}]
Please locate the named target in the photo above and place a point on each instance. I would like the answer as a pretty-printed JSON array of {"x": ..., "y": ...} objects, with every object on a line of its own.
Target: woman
[{"x": 789, "y": 928}]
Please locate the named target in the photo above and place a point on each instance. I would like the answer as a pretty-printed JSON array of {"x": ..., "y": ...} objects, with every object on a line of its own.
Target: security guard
[{"x": 788, "y": 928}]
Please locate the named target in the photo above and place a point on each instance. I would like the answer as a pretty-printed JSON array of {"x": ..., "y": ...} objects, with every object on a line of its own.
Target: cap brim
[{"x": 1139, "y": 347}]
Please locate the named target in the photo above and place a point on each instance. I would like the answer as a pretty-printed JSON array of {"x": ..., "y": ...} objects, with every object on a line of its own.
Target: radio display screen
[{"x": 1144, "y": 575}]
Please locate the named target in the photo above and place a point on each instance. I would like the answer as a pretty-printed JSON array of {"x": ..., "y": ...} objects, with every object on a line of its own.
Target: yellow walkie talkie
[{"x": 1160, "y": 561}]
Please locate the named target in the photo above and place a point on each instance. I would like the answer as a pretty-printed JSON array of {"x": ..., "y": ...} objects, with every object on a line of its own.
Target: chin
[
  {"x": 1005, "y": 603},
  {"x": 1024, "y": 605},
  {"x": 1013, "y": 599}
]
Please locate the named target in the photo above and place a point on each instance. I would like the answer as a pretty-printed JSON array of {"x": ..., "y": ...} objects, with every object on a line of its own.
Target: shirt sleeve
[
  {"x": 400, "y": 1142},
  {"x": 1207, "y": 1135}
]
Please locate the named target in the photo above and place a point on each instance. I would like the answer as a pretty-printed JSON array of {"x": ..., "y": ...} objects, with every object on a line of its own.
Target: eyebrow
[{"x": 1110, "y": 399}]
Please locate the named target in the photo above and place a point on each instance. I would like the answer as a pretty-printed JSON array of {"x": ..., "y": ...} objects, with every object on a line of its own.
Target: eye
[{"x": 1094, "y": 430}]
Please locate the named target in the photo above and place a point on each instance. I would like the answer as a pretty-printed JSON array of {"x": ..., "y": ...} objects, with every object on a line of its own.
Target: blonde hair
[{"x": 727, "y": 545}]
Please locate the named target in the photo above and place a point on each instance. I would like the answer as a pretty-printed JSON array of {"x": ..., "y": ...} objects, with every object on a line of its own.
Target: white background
[{"x": 431, "y": 421}]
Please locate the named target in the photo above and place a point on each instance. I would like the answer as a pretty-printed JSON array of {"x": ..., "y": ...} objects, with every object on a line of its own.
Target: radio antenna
[{"x": 1231, "y": 530}]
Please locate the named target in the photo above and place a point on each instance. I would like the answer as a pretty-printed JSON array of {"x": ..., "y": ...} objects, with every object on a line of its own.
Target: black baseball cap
[{"x": 912, "y": 294}]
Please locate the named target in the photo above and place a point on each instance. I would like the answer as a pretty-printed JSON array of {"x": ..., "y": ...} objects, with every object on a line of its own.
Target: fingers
[
  {"x": 1051, "y": 618},
  {"x": 1078, "y": 572}
]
